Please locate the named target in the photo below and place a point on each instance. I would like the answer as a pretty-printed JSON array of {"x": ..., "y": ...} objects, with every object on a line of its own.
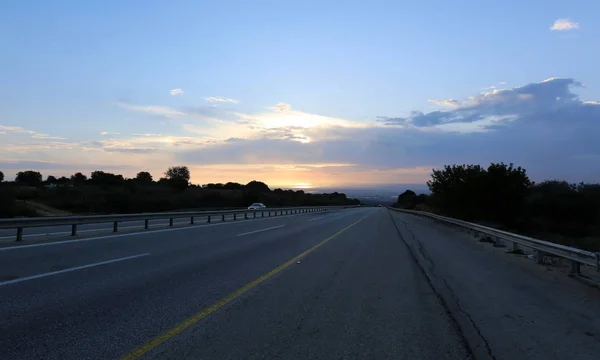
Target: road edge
[{"x": 475, "y": 343}]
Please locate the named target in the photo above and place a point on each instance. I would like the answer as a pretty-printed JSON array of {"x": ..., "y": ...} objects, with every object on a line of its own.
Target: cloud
[
  {"x": 543, "y": 126},
  {"x": 449, "y": 102},
  {"x": 490, "y": 109},
  {"x": 163, "y": 111},
  {"x": 19, "y": 130},
  {"x": 107, "y": 133},
  {"x": 15, "y": 129},
  {"x": 563, "y": 25},
  {"x": 176, "y": 91},
  {"x": 46, "y": 136},
  {"x": 221, "y": 99}
]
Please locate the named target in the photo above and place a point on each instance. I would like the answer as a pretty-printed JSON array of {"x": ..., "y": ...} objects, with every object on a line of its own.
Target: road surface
[{"x": 359, "y": 283}]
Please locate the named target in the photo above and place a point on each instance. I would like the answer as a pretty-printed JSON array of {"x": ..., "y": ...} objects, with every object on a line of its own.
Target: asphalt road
[{"x": 350, "y": 284}]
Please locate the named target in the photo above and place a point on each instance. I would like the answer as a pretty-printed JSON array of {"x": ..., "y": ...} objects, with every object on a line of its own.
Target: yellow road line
[{"x": 169, "y": 334}]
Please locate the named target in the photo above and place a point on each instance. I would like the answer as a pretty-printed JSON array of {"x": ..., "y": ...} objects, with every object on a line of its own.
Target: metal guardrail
[
  {"x": 74, "y": 221},
  {"x": 576, "y": 256}
]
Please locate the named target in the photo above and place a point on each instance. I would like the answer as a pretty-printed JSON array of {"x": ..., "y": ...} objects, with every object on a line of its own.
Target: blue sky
[{"x": 299, "y": 92}]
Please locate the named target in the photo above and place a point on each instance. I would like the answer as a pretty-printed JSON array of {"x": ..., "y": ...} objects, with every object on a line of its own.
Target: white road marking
[
  {"x": 319, "y": 218},
  {"x": 143, "y": 232},
  {"x": 39, "y": 276},
  {"x": 261, "y": 230}
]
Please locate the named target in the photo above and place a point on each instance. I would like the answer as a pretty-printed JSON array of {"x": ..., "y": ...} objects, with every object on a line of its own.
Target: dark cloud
[
  {"x": 544, "y": 127},
  {"x": 544, "y": 97}
]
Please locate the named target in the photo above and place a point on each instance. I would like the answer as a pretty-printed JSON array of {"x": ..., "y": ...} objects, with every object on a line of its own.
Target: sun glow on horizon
[{"x": 302, "y": 186}]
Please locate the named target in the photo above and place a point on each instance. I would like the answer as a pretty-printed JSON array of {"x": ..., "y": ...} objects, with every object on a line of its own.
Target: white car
[{"x": 257, "y": 206}]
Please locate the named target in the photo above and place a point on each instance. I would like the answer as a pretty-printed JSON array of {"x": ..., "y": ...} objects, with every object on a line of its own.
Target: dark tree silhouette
[
  {"x": 29, "y": 178},
  {"x": 407, "y": 200},
  {"x": 78, "y": 178},
  {"x": 106, "y": 179},
  {"x": 144, "y": 177},
  {"x": 178, "y": 172}
]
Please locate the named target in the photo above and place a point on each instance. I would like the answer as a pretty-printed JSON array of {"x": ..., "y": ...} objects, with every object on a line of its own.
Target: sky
[{"x": 300, "y": 93}]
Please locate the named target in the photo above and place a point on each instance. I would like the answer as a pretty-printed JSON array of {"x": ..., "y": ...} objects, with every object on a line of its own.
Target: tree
[
  {"x": 105, "y": 179},
  {"x": 233, "y": 186},
  {"x": 506, "y": 188},
  {"x": 459, "y": 190},
  {"x": 51, "y": 180},
  {"x": 29, "y": 178},
  {"x": 1, "y": 176},
  {"x": 178, "y": 172},
  {"x": 144, "y": 177},
  {"x": 178, "y": 177},
  {"x": 472, "y": 192},
  {"x": 407, "y": 200},
  {"x": 78, "y": 178}
]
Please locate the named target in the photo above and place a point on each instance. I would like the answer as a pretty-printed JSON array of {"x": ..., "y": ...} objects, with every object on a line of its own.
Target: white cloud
[
  {"x": 106, "y": 133},
  {"x": 46, "y": 136},
  {"x": 155, "y": 110},
  {"x": 15, "y": 129},
  {"x": 563, "y": 25},
  {"x": 449, "y": 102},
  {"x": 221, "y": 99},
  {"x": 592, "y": 102},
  {"x": 502, "y": 83},
  {"x": 176, "y": 91}
]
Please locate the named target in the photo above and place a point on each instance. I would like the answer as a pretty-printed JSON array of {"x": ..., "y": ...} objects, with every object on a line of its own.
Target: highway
[
  {"x": 362, "y": 283},
  {"x": 52, "y": 231}
]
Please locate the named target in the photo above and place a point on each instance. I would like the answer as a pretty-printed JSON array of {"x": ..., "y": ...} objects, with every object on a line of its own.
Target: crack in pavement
[{"x": 452, "y": 295}]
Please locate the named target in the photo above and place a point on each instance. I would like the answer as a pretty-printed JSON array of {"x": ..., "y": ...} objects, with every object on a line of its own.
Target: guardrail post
[
  {"x": 115, "y": 226},
  {"x": 498, "y": 242},
  {"x": 208, "y": 219},
  {"x": 146, "y": 224},
  {"x": 74, "y": 230},
  {"x": 234, "y": 216},
  {"x": 246, "y": 216},
  {"x": 269, "y": 213},
  {"x": 223, "y": 217},
  {"x": 170, "y": 221},
  {"x": 19, "y": 234},
  {"x": 254, "y": 214},
  {"x": 192, "y": 220},
  {"x": 575, "y": 268},
  {"x": 262, "y": 214},
  {"x": 540, "y": 257},
  {"x": 515, "y": 246}
]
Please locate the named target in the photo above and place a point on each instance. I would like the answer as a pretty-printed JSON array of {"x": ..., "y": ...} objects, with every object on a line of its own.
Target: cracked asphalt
[{"x": 507, "y": 307}]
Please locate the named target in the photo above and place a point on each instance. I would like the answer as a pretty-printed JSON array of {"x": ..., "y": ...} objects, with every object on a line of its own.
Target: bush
[{"x": 503, "y": 196}]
